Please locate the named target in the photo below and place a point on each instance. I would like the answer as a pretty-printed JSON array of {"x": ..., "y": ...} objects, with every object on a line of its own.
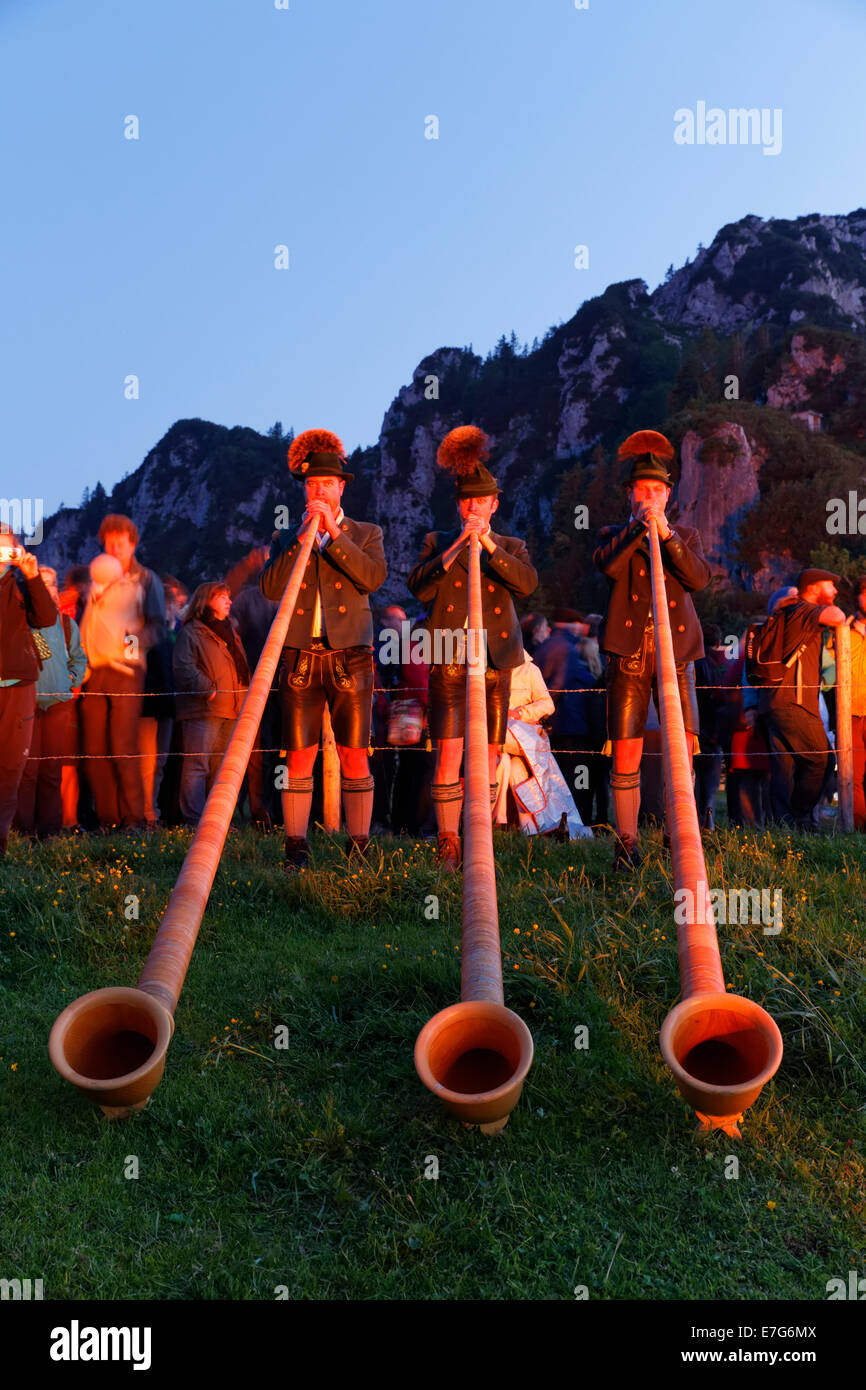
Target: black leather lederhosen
[
  {"x": 629, "y": 681},
  {"x": 320, "y": 675},
  {"x": 446, "y": 709}
]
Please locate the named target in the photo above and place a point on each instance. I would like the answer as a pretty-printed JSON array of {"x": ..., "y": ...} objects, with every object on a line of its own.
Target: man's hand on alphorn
[
  {"x": 320, "y": 510},
  {"x": 476, "y": 525},
  {"x": 646, "y": 510}
]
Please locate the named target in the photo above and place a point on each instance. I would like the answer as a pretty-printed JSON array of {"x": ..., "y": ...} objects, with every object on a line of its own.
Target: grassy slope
[{"x": 304, "y": 1167}]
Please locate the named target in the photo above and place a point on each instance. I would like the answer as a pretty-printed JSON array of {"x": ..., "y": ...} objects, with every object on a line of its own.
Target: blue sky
[{"x": 306, "y": 127}]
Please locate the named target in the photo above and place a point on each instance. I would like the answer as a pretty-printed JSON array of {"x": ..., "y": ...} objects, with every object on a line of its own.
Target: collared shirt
[{"x": 322, "y": 538}]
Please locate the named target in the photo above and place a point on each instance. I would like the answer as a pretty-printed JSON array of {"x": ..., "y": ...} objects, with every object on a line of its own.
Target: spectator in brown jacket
[
  {"x": 24, "y": 603},
  {"x": 211, "y": 678}
]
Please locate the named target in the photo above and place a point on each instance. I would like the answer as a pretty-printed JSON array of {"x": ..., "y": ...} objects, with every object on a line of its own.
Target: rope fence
[{"x": 410, "y": 690}]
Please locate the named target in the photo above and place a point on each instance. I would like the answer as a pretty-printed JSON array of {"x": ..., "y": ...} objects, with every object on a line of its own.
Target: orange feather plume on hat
[
  {"x": 646, "y": 442},
  {"x": 462, "y": 450},
  {"x": 313, "y": 442}
]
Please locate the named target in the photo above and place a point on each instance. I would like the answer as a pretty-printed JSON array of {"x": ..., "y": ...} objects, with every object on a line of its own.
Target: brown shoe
[
  {"x": 448, "y": 856},
  {"x": 297, "y": 854},
  {"x": 357, "y": 844},
  {"x": 626, "y": 854}
]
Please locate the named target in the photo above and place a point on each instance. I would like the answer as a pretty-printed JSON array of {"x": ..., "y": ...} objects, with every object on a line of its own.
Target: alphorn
[
  {"x": 330, "y": 777},
  {"x": 112, "y": 1043},
  {"x": 844, "y": 740},
  {"x": 475, "y": 1055},
  {"x": 721, "y": 1048}
]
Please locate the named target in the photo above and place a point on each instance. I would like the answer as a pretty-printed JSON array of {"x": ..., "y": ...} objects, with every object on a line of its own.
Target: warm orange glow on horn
[
  {"x": 112, "y": 1043},
  {"x": 721, "y": 1048},
  {"x": 475, "y": 1055}
]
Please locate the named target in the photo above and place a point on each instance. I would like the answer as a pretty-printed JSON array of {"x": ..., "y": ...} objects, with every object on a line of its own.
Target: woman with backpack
[{"x": 211, "y": 677}]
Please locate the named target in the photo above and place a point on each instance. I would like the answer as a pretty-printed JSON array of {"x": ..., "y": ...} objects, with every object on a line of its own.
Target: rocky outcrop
[
  {"x": 585, "y": 369},
  {"x": 718, "y": 483},
  {"x": 792, "y": 387},
  {"x": 758, "y": 271},
  {"x": 407, "y": 476},
  {"x": 203, "y": 497},
  {"x": 776, "y": 569}
]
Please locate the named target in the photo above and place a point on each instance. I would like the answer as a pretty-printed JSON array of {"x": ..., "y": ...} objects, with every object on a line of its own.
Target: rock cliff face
[
  {"x": 407, "y": 476},
  {"x": 204, "y": 496},
  {"x": 780, "y": 303},
  {"x": 792, "y": 388},
  {"x": 719, "y": 481},
  {"x": 760, "y": 271}
]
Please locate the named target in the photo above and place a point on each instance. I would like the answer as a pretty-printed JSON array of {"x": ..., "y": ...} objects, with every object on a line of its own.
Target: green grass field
[{"x": 303, "y": 1168}]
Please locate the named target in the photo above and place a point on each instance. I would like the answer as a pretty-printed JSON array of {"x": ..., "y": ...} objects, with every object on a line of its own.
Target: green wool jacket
[
  {"x": 346, "y": 571},
  {"x": 508, "y": 571},
  {"x": 623, "y": 558}
]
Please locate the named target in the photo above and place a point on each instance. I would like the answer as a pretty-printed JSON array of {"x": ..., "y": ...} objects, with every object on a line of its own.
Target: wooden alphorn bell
[
  {"x": 475, "y": 1055},
  {"x": 112, "y": 1043},
  {"x": 721, "y": 1048}
]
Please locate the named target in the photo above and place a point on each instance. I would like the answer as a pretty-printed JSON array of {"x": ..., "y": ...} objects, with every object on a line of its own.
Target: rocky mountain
[
  {"x": 775, "y": 271},
  {"x": 752, "y": 357}
]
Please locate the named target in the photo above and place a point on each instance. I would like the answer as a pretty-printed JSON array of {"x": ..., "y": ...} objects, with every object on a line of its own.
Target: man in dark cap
[
  {"x": 441, "y": 579},
  {"x": 628, "y": 633},
  {"x": 789, "y": 709},
  {"x": 328, "y": 653}
]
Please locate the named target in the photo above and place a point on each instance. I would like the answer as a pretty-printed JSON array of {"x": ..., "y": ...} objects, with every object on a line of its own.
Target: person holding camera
[{"x": 25, "y": 603}]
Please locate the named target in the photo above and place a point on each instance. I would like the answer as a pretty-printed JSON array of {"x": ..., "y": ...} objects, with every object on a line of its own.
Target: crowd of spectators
[{"x": 119, "y": 693}]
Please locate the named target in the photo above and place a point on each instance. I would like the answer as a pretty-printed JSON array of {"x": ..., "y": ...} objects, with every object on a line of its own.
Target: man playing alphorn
[
  {"x": 628, "y": 633},
  {"x": 328, "y": 652},
  {"x": 441, "y": 579}
]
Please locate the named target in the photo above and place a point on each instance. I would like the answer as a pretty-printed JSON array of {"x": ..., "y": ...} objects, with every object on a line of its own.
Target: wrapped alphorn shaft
[
  {"x": 844, "y": 739},
  {"x": 481, "y": 961},
  {"x": 721, "y": 1048},
  {"x": 475, "y": 1055},
  {"x": 330, "y": 777},
  {"x": 111, "y": 1043}
]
